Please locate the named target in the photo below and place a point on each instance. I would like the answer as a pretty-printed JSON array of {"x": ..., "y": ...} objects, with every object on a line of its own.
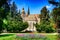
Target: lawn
[
  {"x": 7, "y": 37},
  {"x": 15, "y": 37}
]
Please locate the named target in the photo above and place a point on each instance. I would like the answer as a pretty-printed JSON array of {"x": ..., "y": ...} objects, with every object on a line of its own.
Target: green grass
[
  {"x": 52, "y": 37},
  {"x": 8, "y": 37},
  {"x": 13, "y": 37}
]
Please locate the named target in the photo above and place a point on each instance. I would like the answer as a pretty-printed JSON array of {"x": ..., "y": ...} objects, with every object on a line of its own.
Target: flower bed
[{"x": 31, "y": 36}]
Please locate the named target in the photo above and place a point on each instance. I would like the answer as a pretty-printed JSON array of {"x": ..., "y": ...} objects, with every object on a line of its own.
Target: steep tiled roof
[{"x": 32, "y": 17}]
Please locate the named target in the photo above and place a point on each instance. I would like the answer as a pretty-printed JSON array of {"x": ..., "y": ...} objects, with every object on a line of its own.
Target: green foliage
[
  {"x": 9, "y": 23},
  {"x": 45, "y": 27},
  {"x": 44, "y": 14},
  {"x": 18, "y": 16},
  {"x": 4, "y": 9},
  {"x": 56, "y": 12},
  {"x": 16, "y": 26},
  {"x": 3, "y": 2},
  {"x": 1, "y": 22},
  {"x": 13, "y": 9},
  {"x": 50, "y": 29},
  {"x": 56, "y": 16},
  {"x": 13, "y": 21}
]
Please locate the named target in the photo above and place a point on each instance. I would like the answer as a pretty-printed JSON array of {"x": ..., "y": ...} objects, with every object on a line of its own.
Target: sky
[{"x": 34, "y": 5}]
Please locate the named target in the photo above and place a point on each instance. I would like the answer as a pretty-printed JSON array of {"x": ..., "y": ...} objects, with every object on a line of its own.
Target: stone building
[{"x": 31, "y": 19}]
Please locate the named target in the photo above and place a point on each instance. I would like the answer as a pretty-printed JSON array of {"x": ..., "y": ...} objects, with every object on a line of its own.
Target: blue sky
[{"x": 34, "y": 5}]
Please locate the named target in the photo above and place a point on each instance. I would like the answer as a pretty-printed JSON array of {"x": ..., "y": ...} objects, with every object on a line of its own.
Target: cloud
[{"x": 48, "y": 6}]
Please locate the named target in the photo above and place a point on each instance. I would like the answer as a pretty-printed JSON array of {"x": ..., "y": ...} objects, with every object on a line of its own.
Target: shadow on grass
[{"x": 5, "y": 35}]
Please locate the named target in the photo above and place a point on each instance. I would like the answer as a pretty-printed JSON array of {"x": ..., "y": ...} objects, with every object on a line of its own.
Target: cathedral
[{"x": 31, "y": 19}]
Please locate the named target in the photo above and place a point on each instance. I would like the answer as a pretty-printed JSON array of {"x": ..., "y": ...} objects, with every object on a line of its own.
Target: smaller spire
[{"x": 28, "y": 11}]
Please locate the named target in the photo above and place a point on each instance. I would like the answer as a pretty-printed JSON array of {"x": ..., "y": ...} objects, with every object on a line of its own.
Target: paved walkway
[{"x": 32, "y": 33}]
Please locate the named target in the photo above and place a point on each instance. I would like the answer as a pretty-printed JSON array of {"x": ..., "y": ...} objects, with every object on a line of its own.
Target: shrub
[
  {"x": 16, "y": 26},
  {"x": 45, "y": 27}
]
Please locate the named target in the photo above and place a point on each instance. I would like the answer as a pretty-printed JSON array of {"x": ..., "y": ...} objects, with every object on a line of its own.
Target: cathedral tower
[{"x": 23, "y": 13}]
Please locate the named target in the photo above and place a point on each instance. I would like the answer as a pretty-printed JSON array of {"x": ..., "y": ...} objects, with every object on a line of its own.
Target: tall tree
[
  {"x": 2, "y": 2},
  {"x": 45, "y": 25},
  {"x": 56, "y": 16},
  {"x": 13, "y": 9},
  {"x": 44, "y": 14},
  {"x": 4, "y": 9},
  {"x": 18, "y": 16},
  {"x": 28, "y": 11},
  {"x": 56, "y": 13}
]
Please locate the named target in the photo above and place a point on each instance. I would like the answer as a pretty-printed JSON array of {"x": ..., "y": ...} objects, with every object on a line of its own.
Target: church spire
[
  {"x": 28, "y": 11},
  {"x": 23, "y": 11}
]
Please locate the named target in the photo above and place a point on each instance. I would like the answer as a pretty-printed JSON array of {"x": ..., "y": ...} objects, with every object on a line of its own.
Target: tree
[
  {"x": 18, "y": 16},
  {"x": 28, "y": 11},
  {"x": 15, "y": 25},
  {"x": 4, "y": 9},
  {"x": 44, "y": 25},
  {"x": 3, "y": 2},
  {"x": 13, "y": 9},
  {"x": 54, "y": 2},
  {"x": 44, "y": 14},
  {"x": 56, "y": 14}
]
